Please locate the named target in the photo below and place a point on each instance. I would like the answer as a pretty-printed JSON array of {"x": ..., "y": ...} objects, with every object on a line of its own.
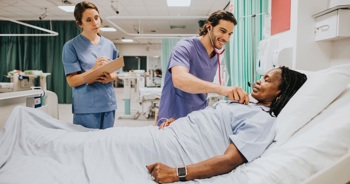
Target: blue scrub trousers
[{"x": 101, "y": 120}]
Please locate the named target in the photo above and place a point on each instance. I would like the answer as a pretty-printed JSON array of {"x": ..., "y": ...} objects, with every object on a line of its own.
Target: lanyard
[{"x": 218, "y": 56}]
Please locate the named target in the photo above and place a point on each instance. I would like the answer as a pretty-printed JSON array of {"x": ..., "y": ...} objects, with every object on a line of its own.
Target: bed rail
[{"x": 338, "y": 173}]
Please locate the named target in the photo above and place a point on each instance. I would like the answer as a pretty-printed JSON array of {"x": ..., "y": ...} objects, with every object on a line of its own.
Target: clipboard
[{"x": 109, "y": 68}]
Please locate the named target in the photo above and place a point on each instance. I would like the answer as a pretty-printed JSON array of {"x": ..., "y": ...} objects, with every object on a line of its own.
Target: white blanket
[{"x": 36, "y": 148}]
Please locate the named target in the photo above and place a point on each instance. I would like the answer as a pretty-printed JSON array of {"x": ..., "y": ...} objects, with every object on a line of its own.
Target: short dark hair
[
  {"x": 159, "y": 71},
  {"x": 291, "y": 81},
  {"x": 80, "y": 8},
  {"x": 215, "y": 18}
]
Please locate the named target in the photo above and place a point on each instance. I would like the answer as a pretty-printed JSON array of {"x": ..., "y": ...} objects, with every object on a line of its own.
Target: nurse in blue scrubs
[{"x": 93, "y": 104}]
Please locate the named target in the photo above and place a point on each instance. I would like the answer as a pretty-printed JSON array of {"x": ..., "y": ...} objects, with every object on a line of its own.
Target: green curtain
[
  {"x": 167, "y": 46},
  {"x": 37, "y": 52},
  {"x": 241, "y": 52},
  {"x": 242, "y": 48}
]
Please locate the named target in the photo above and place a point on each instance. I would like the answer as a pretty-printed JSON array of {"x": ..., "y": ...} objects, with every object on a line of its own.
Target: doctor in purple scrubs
[{"x": 191, "y": 69}]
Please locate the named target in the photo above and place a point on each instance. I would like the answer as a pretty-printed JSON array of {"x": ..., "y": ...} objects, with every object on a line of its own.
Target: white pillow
[{"x": 320, "y": 89}]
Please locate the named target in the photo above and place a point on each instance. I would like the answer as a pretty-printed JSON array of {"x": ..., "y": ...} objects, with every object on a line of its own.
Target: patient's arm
[{"x": 217, "y": 165}]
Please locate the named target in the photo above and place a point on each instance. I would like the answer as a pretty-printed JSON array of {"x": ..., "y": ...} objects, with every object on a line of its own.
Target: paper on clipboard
[{"x": 108, "y": 68}]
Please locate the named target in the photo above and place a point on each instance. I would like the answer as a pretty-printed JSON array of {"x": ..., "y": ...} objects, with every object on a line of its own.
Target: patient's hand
[
  {"x": 166, "y": 123},
  {"x": 162, "y": 174}
]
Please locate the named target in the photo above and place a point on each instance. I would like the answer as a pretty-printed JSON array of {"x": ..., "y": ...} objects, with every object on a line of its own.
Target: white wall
[
  {"x": 341, "y": 52},
  {"x": 307, "y": 53},
  {"x": 139, "y": 50},
  {"x": 153, "y": 53},
  {"x": 310, "y": 55}
]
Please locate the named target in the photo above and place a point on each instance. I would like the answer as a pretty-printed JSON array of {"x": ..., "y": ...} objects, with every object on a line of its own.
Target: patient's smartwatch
[{"x": 182, "y": 173}]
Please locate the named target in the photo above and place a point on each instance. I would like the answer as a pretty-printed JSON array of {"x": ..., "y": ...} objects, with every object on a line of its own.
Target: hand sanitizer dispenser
[{"x": 282, "y": 57}]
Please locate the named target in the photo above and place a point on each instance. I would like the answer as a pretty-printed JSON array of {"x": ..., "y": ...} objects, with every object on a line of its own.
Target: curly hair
[
  {"x": 215, "y": 18},
  {"x": 291, "y": 81}
]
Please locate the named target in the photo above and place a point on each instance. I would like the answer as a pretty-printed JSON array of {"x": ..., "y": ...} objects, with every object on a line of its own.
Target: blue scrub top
[
  {"x": 79, "y": 55},
  {"x": 189, "y": 53}
]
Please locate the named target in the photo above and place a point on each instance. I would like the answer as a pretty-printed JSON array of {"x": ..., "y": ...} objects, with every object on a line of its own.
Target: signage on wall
[
  {"x": 280, "y": 16},
  {"x": 231, "y": 7}
]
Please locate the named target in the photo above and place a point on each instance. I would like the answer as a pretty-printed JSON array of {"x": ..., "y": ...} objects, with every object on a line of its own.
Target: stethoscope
[
  {"x": 252, "y": 84},
  {"x": 217, "y": 54}
]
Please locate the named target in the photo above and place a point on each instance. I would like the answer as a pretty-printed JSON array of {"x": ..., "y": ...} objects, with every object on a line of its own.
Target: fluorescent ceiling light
[
  {"x": 127, "y": 40},
  {"x": 67, "y": 8},
  {"x": 179, "y": 3},
  {"x": 108, "y": 29}
]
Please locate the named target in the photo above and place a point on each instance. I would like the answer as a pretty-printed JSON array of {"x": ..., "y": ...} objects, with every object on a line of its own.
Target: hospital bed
[
  {"x": 311, "y": 145},
  {"x": 150, "y": 96},
  {"x": 48, "y": 102}
]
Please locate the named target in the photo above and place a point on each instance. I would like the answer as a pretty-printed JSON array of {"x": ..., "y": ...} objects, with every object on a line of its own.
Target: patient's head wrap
[{"x": 290, "y": 84}]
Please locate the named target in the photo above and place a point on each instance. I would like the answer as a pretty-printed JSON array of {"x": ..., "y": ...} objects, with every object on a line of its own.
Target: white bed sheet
[
  {"x": 36, "y": 147},
  {"x": 150, "y": 93}
]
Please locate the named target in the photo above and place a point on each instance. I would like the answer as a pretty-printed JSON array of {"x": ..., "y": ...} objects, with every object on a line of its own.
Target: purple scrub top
[{"x": 189, "y": 53}]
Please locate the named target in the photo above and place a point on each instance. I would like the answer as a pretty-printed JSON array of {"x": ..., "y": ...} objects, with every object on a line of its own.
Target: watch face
[{"x": 181, "y": 171}]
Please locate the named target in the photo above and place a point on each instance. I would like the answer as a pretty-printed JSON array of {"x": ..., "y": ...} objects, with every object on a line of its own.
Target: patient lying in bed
[{"x": 209, "y": 142}]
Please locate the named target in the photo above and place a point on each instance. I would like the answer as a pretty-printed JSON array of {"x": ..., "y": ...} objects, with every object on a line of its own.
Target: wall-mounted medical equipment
[
  {"x": 265, "y": 51},
  {"x": 282, "y": 57},
  {"x": 334, "y": 3},
  {"x": 332, "y": 24}
]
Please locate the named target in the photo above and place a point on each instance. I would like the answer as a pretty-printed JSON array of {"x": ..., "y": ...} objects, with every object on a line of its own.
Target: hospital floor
[{"x": 65, "y": 111}]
